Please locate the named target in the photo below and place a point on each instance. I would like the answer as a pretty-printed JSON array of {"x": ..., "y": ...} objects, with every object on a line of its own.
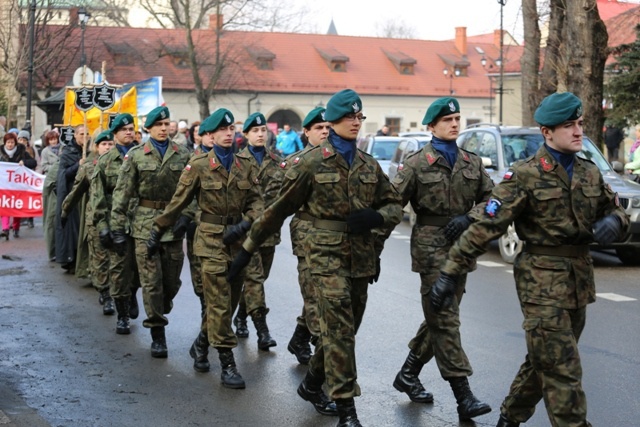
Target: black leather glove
[
  {"x": 374, "y": 279},
  {"x": 191, "y": 230},
  {"x": 456, "y": 227},
  {"x": 607, "y": 230},
  {"x": 443, "y": 292},
  {"x": 239, "y": 262},
  {"x": 364, "y": 220},
  {"x": 153, "y": 244},
  {"x": 119, "y": 242},
  {"x": 180, "y": 227},
  {"x": 235, "y": 232},
  {"x": 63, "y": 220},
  {"x": 105, "y": 238}
]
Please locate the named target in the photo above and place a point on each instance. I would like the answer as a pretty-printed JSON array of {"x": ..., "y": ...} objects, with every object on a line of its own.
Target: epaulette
[{"x": 198, "y": 156}]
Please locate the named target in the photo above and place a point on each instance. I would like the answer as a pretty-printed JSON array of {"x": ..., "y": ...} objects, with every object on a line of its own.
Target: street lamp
[
  {"x": 501, "y": 65},
  {"x": 258, "y": 105},
  {"x": 32, "y": 25},
  {"x": 83, "y": 18},
  {"x": 483, "y": 61},
  {"x": 456, "y": 72}
]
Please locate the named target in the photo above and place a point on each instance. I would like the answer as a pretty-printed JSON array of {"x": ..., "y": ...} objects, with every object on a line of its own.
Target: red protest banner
[{"x": 20, "y": 191}]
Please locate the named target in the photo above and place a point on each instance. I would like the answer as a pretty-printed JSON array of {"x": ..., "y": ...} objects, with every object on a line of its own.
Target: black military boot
[
  {"x": 240, "y": 322},
  {"x": 407, "y": 380},
  {"x": 504, "y": 422},
  {"x": 347, "y": 413},
  {"x": 134, "y": 308},
  {"x": 199, "y": 351},
  {"x": 159, "y": 344},
  {"x": 122, "y": 327},
  {"x": 230, "y": 376},
  {"x": 310, "y": 389},
  {"x": 108, "y": 308},
  {"x": 468, "y": 405},
  {"x": 259, "y": 318},
  {"x": 299, "y": 344}
]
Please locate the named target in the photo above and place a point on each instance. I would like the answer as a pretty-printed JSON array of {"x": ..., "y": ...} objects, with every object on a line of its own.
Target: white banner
[{"x": 20, "y": 191}]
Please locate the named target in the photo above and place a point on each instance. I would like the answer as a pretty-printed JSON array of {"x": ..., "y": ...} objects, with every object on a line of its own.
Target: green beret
[
  {"x": 315, "y": 116},
  {"x": 105, "y": 135},
  {"x": 220, "y": 117},
  {"x": 441, "y": 107},
  {"x": 558, "y": 108},
  {"x": 342, "y": 103},
  {"x": 121, "y": 120},
  {"x": 256, "y": 119},
  {"x": 157, "y": 114}
]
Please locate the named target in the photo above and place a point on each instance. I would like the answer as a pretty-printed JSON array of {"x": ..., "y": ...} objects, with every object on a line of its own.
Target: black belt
[
  {"x": 152, "y": 204},
  {"x": 559, "y": 250},
  {"x": 433, "y": 220},
  {"x": 324, "y": 224},
  {"x": 219, "y": 219}
]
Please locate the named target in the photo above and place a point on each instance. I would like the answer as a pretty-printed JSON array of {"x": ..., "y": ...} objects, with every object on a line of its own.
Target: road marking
[
  {"x": 490, "y": 264},
  {"x": 614, "y": 297}
]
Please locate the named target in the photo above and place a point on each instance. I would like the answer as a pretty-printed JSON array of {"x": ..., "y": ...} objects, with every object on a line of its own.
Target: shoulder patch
[
  {"x": 492, "y": 207},
  {"x": 507, "y": 175}
]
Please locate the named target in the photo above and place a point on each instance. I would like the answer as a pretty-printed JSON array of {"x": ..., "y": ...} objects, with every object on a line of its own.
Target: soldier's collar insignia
[
  {"x": 401, "y": 166},
  {"x": 238, "y": 163},
  {"x": 507, "y": 175},
  {"x": 283, "y": 164},
  {"x": 492, "y": 207},
  {"x": 175, "y": 147},
  {"x": 212, "y": 162},
  {"x": 188, "y": 167},
  {"x": 465, "y": 156},
  {"x": 296, "y": 160},
  {"x": 430, "y": 159},
  {"x": 546, "y": 166},
  {"x": 126, "y": 156},
  {"x": 147, "y": 149},
  {"x": 326, "y": 152}
]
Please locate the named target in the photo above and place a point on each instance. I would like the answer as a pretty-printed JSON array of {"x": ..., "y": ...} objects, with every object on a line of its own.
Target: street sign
[
  {"x": 84, "y": 98},
  {"x": 104, "y": 96}
]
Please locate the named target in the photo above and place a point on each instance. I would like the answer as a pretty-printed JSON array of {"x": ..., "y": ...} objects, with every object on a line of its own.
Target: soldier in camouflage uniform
[
  {"x": 559, "y": 204},
  {"x": 447, "y": 188},
  {"x": 150, "y": 174},
  {"x": 316, "y": 130},
  {"x": 123, "y": 269},
  {"x": 228, "y": 195},
  {"x": 266, "y": 165},
  {"x": 346, "y": 195},
  {"x": 98, "y": 256}
]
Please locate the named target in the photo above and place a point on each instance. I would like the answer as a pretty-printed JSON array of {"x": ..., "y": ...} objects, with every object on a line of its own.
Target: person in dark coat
[
  {"x": 613, "y": 137},
  {"x": 67, "y": 235}
]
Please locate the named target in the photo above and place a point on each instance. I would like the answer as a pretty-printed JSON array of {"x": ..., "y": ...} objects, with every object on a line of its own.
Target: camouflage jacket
[
  {"x": 322, "y": 182},
  {"x": 547, "y": 210},
  {"x": 80, "y": 188},
  {"x": 218, "y": 192},
  {"x": 436, "y": 189},
  {"x": 146, "y": 177}
]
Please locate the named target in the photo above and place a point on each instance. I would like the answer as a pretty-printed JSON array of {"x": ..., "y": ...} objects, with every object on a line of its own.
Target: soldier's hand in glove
[
  {"x": 374, "y": 279},
  {"x": 63, "y": 220},
  {"x": 443, "y": 292},
  {"x": 119, "y": 242},
  {"x": 607, "y": 230},
  {"x": 235, "y": 232},
  {"x": 105, "y": 238},
  {"x": 153, "y": 244},
  {"x": 191, "y": 230},
  {"x": 364, "y": 220},
  {"x": 180, "y": 227},
  {"x": 456, "y": 227},
  {"x": 239, "y": 262}
]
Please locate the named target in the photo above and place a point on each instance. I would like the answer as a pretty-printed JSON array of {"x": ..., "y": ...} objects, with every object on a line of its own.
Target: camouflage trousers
[
  {"x": 98, "y": 261},
  {"x": 195, "y": 268},
  {"x": 439, "y": 333},
  {"x": 123, "y": 272},
  {"x": 221, "y": 299},
  {"x": 309, "y": 316},
  {"x": 552, "y": 369},
  {"x": 257, "y": 272},
  {"x": 341, "y": 305},
  {"x": 160, "y": 279}
]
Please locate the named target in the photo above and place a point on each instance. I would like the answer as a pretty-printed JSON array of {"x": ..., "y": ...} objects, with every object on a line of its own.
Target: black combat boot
[
  {"x": 134, "y": 308},
  {"x": 122, "y": 327},
  {"x": 108, "y": 307},
  {"x": 199, "y": 351},
  {"x": 230, "y": 376},
  {"x": 504, "y": 422},
  {"x": 468, "y": 405},
  {"x": 159, "y": 344},
  {"x": 347, "y": 413},
  {"x": 310, "y": 389},
  {"x": 259, "y": 318},
  {"x": 240, "y": 322},
  {"x": 299, "y": 344},
  {"x": 407, "y": 380},
  {"x": 5, "y": 234}
]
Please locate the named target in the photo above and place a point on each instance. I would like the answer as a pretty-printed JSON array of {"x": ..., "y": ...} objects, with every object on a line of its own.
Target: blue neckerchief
[
  {"x": 55, "y": 149},
  {"x": 448, "y": 149},
  {"x": 124, "y": 149},
  {"x": 566, "y": 160},
  {"x": 204, "y": 148},
  {"x": 225, "y": 155},
  {"x": 161, "y": 146},
  {"x": 258, "y": 153},
  {"x": 346, "y": 148}
]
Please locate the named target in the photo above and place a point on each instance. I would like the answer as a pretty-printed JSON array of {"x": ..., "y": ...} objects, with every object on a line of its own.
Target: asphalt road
[{"x": 61, "y": 363}]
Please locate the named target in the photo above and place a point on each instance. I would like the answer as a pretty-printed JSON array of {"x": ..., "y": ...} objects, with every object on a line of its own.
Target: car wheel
[
  {"x": 510, "y": 245},
  {"x": 629, "y": 255}
]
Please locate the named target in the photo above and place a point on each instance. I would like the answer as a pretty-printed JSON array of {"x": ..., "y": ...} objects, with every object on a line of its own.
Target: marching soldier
[
  {"x": 150, "y": 174},
  {"x": 447, "y": 188},
  {"x": 559, "y": 203},
  {"x": 346, "y": 194}
]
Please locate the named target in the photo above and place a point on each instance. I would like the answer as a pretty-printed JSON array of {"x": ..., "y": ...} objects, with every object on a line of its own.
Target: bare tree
[{"x": 395, "y": 29}]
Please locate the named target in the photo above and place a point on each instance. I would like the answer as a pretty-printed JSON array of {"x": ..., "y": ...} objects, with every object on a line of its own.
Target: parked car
[
  {"x": 381, "y": 148},
  {"x": 501, "y": 146}
]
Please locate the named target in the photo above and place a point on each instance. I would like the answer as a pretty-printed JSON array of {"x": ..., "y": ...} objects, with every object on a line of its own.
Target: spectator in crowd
[
  {"x": 384, "y": 131},
  {"x": 288, "y": 141},
  {"x": 49, "y": 167},
  {"x": 193, "y": 139},
  {"x": 613, "y": 137},
  {"x": 138, "y": 137},
  {"x": 635, "y": 145},
  {"x": 24, "y": 138}
]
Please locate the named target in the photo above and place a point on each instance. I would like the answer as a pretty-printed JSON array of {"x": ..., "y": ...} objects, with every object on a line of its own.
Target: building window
[{"x": 393, "y": 124}]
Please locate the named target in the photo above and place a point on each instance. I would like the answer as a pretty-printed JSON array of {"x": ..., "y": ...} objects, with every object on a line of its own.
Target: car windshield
[{"x": 383, "y": 150}]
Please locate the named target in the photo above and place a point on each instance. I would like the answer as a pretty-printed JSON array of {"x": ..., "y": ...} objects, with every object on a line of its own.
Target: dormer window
[
  {"x": 262, "y": 57},
  {"x": 403, "y": 62},
  {"x": 335, "y": 60}
]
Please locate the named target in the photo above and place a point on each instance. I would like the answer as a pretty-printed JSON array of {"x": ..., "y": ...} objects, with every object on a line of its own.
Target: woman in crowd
[
  {"x": 49, "y": 167},
  {"x": 24, "y": 138}
]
